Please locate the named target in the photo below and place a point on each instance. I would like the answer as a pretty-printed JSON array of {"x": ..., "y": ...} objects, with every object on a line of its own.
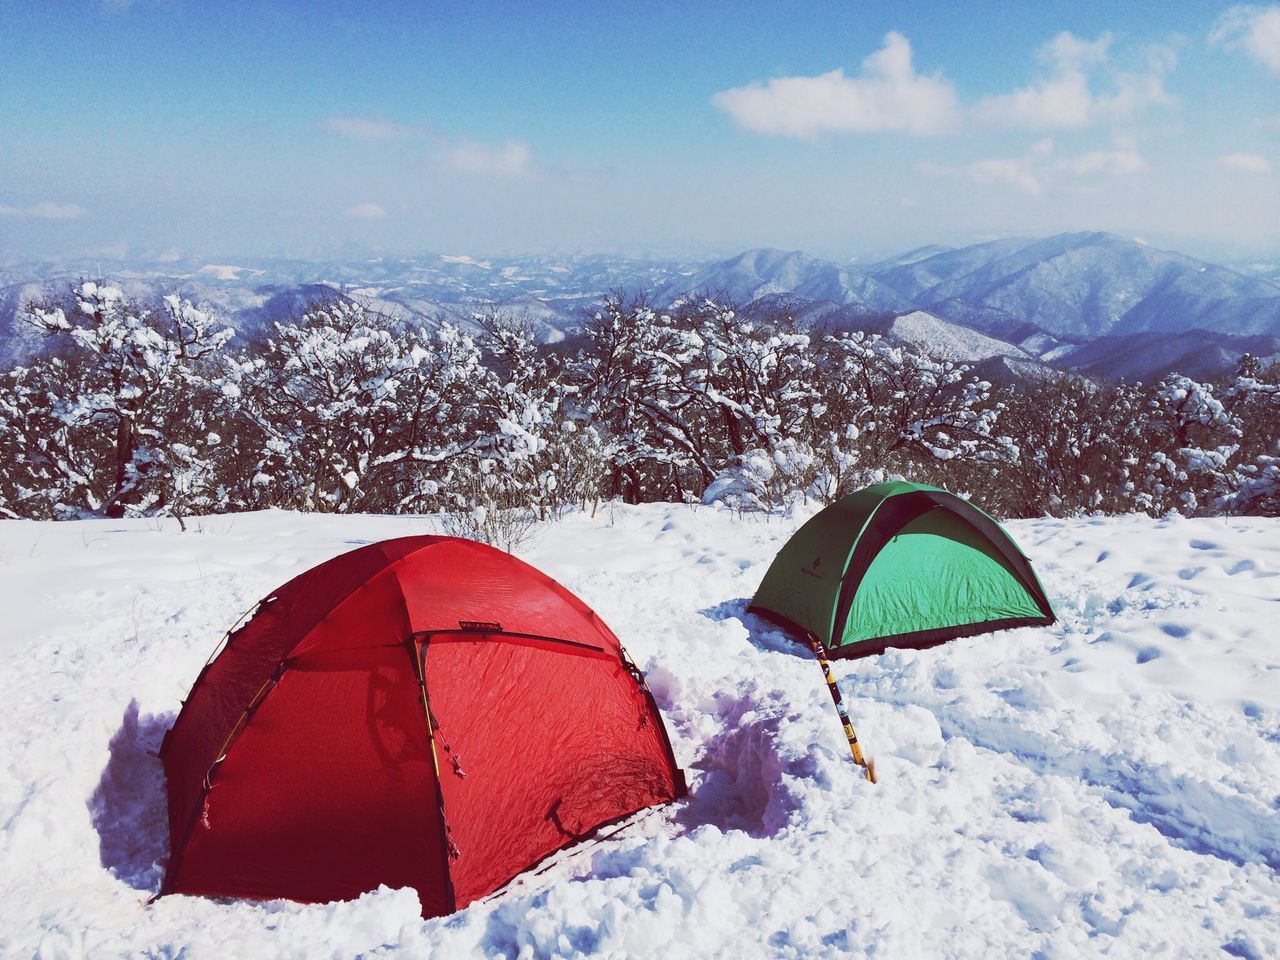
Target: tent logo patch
[
  {"x": 480, "y": 626},
  {"x": 812, "y": 569}
]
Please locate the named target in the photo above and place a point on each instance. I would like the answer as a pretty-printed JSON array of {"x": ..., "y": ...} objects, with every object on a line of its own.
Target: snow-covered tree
[
  {"x": 629, "y": 378},
  {"x": 1254, "y": 399},
  {"x": 759, "y": 382},
  {"x": 352, "y": 410},
  {"x": 545, "y": 454},
  {"x": 1076, "y": 441},
  {"x": 756, "y": 374},
  {"x": 132, "y": 408},
  {"x": 1196, "y": 436},
  {"x": 689, "y": 393},
  {"x": 114, "y": 417},
  {"x": 888, "y": 407}
]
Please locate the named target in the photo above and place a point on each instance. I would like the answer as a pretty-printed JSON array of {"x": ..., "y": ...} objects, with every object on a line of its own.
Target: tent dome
[
  {"x": 427, "y": 712},
  {"x": 900, "y": 564}
]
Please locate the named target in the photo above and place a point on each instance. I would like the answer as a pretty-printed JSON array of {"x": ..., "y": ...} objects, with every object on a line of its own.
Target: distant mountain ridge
[
  {"x": 1080, "y": 285},
  {"x": 1091, "y": 284},
  {"x": 760, "y": 273},
  {"x": 1084, "y": 301}
]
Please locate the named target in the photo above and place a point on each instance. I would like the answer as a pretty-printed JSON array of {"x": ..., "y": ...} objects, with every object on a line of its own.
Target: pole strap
[{"x": 454, "y": 757}]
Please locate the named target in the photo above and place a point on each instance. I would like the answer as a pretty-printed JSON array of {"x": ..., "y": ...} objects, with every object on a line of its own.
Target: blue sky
[{"x": 843, "y": 128}]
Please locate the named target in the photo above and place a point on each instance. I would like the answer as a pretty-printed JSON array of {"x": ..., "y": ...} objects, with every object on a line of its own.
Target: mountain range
[{"x": 1104, "y": 305}]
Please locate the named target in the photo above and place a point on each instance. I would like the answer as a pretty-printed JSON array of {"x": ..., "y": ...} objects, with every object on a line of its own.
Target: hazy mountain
[
  {"x": 1266, "y": 269},
  {"x": 1088, "y": 285},
  {"x": 760, "y": 273},
  {"x": 913, "y": 278},
  {"x": 944, "y": 340},
  {"x": 254, "y": 293},
  {"x": 1149, "y": 356},
  {"x": 1072, "y": 286},
  {"x": 816, "y": 314},
  {"x": 1089, "y": 301},
  {"x": 910, "y": 257},
  {"x": 990, "y": 320}
]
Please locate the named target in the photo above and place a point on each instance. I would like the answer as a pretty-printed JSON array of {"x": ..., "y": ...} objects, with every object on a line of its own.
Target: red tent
[{"x": 301, "y": 767}]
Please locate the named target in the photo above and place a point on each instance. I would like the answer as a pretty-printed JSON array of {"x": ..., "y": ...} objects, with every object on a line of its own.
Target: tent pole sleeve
[
  {"x": 868, "y": 766},
  {"x": 448, "y": 849}
]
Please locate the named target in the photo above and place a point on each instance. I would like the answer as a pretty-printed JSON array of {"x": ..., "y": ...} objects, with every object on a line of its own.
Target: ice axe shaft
[{"x": 868, "y": 766}]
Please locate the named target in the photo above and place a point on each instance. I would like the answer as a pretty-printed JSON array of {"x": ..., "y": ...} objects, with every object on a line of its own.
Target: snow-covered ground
[{"x": 1107, "y": 785}]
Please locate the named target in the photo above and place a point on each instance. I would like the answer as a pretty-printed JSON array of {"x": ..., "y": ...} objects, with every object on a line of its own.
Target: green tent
[{"x": 900, "y": 565}]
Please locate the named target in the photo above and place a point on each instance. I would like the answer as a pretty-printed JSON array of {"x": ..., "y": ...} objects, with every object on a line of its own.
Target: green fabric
[
  {"x": 803, "y": 583},
  {"x": 938, "y": 571}
]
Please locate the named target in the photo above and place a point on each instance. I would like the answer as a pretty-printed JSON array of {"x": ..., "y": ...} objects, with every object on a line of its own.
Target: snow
[
  {"x": 1110, "y": 784},
  {"x": 950, "y": 341},
  {"x": 223, "y": 271}
]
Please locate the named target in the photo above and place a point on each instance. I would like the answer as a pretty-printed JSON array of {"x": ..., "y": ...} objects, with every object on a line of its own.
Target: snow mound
[{"x": 1110, "y": 784}]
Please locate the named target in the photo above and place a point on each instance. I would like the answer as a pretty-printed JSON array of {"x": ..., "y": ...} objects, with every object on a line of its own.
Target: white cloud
[
  {"x": 1080, "y": 87},
  {"x": 886, "y": 95},
  {"x": 48, "y": 210},
  {"x": 1255, "y": 29},
  {"x": 45, "y": 210},
  {"x": 1038, "y": 169},
  {"x": 511, "y": 158},
  {"x": 1245, "y": 162},
  {"x": 1018, "y": 171},
  {"x": 1066, "y": 98},
  {"x": 367, "y": 211},
  {"x": 1066, "y": 49},
  {"x": 1112, "y": 163},
  {"x": 367, "y": 128}
]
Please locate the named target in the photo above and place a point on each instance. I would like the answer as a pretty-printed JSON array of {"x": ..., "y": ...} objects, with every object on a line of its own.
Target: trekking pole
[{"x": 868, "y": 766}]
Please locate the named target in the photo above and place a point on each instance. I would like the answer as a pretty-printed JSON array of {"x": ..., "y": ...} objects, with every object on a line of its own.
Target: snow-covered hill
[
  {"x": 1147, "y": 356},
  {"x": 1090, "y": 284},
  {"x": 947, "y": 341},
  {"x": 762, "y": 272},
  {"x": 1064, "y": 289},
  {"x": 549, "y": 291},
  {"x": 1108, "y": 785}
]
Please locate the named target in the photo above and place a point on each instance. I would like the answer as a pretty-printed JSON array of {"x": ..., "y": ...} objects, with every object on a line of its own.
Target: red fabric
[
  {"x": 552, "y": 744},
  {"x": 251, "y": 656},
  {"x": 327, "y": 787}
]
